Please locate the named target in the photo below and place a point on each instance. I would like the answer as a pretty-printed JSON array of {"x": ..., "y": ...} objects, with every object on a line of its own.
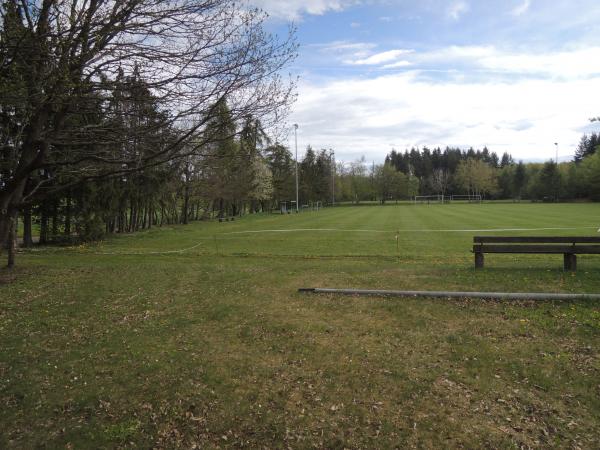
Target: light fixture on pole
[
  {"x": 556, "y": 145},
  {"x": 296, "y": 142}
]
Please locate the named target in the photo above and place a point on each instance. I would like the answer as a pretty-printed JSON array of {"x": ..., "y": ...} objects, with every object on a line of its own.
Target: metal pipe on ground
[{"x": 453, "y": 294}]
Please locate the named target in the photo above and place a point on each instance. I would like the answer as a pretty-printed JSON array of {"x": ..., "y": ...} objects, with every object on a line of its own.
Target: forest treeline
[
  {"x": 453, "y": 171},
  {"x": 242, "y": 171},
  {"x": 114, "y": 115}
]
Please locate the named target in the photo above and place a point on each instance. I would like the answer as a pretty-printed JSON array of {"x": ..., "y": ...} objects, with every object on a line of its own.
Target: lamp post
[
  {"x": 557, "y": 174},
  {"x": 296, "y": 142},
  {"x": 332, "y": 154}
]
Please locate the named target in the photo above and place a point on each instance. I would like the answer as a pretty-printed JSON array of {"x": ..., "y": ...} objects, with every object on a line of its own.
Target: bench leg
[
  {"x": 570, "y": 262},
  {"x": 478, "y": 260}
]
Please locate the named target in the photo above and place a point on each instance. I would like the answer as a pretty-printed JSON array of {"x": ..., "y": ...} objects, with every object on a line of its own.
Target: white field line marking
[
  {"x": 449, "y": 230},
  {"x": 150, "y": 253},
  {"x": 292, "y": 230}
]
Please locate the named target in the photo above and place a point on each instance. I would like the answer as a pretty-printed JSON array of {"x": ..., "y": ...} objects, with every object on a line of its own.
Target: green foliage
[
  {"x": 282, "y": 167},
  {"x": 454, "y": 171},
  {"x": 476, "y": 177},
  {"x": 354, "y": 183},
  {"x": 545, "y": 183},
  {"x": 315, "y": 173},
  {"x": 390, "y": 184},
  {"x": 126, "y": 97},
  {"x": 587, "y": 146},
  {"x": 591, "y": 174},
  {"x": 520, "y": 180},
  {"x": 234, "y": 172}
]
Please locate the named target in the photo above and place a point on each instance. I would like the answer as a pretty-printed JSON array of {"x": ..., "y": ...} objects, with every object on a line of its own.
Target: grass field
[{"x": 196, "y": 336}]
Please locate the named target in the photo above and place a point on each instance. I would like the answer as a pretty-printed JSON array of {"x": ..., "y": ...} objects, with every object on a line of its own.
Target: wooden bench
[
  {"x": 226, "y": 219},
  {"x": 569, "y": 246}
]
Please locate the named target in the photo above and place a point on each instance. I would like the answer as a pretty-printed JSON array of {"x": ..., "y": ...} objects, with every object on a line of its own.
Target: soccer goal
[
  {"x": 429, "y": 199},
  {"x": 466, "y": 198}
]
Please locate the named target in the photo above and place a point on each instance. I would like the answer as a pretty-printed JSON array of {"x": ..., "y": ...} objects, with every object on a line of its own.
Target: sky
[{"x": 376, "y": 75}]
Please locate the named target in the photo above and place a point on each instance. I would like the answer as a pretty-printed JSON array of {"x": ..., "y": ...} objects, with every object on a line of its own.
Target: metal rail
[{"x": 453, "y": 294}]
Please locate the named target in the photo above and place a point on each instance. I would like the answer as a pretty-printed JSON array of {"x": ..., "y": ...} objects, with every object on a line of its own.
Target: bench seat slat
[
  {"x": 498, "y": 248},
  {"x": 536, "y": 239}
]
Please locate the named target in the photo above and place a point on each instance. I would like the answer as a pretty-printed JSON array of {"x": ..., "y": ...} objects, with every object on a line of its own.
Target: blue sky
[{"x": 515, "y": 75}]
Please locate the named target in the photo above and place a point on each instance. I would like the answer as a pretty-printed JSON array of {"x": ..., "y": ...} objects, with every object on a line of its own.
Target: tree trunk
[
  {"x": 54, "y": 219},
  {"x": 27, "y": 235},
  {"x": 143, "y": 217},
  {"x": 4, "y": 229},
  {"x": 186, "y": 202},
  {"x": 131, "y": 218},
  {"x": 8, "y": 200},
  {"x": 68, "y": 215},
  {"x": 43, "y": 225},
  {"x": 12, "y": 237}
]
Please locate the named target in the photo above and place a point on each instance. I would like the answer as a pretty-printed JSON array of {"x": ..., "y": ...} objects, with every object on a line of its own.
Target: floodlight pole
[
  {"x": 296, "y": 142},
  {"x": 332, "y": 178},
  {"x": 558, "y": 187}
]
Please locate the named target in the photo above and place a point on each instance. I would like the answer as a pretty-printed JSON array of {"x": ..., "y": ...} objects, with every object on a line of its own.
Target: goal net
[
  {"x": 429, "y": 199},
  {"x": 466, "y": 198}
]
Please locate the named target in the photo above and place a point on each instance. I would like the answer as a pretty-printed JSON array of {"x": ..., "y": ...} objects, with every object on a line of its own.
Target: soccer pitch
[
  {"x": 422, "y": 231},
  {"x": 196, "y": 335}
]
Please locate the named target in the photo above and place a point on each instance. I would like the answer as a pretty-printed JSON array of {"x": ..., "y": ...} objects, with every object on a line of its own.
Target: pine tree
[
  {"x": 520, "y": 180},
  {"x": 282, "y": 167},
  {"x": 587, "y": 146}
]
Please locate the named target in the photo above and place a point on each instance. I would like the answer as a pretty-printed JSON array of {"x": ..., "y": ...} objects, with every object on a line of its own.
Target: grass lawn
[{"x": 196, "y": 336}]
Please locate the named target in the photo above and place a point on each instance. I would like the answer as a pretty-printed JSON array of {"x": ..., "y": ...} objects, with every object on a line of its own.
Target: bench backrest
[{"x": 536, "y": 239}]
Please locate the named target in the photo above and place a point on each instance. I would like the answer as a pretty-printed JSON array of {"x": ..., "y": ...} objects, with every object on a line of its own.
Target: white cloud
[
  {"x": 455, "y": 52},
  {"x": 294, "y": 9},
  {"x": 344, "y": 51},
  {"x": 571, "y": 64},
  {"x": 398, "y": 65},
  {"x": 577, "y": 63},
  {"x": 368, "y": 116},
  {"x": 521, "y": 9},
  {"x": 345, "y": 46},
  {"x": 457, "y": 9},
  {"x": 355, "y": 25},
  {"x": 574, "y": 63},
  {"x": 380, "y": 58}
]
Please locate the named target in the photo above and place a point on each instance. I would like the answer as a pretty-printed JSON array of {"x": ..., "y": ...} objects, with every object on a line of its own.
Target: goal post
[{"x": 429, "y": 199}]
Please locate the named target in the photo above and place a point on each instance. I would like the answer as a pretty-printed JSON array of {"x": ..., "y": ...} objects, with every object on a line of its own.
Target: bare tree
[
  {"x": 440, "y": 180},
  {"x": 59, "y": 60}
]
